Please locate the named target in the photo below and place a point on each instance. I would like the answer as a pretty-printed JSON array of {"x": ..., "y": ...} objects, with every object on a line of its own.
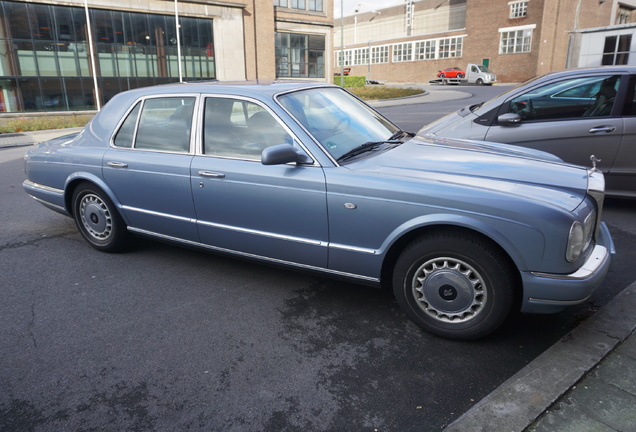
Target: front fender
[{"x": 509, "y": 235}]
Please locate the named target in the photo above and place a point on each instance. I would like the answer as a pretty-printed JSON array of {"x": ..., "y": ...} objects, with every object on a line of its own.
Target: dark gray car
[{"x": 574, "y": 114}]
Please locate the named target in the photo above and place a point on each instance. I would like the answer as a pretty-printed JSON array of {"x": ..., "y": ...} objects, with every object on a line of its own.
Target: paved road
[{"x": 165, "y": 338}]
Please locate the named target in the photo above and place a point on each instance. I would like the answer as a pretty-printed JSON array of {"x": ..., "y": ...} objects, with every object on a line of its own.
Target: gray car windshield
[{"x": 338, "y": 121}]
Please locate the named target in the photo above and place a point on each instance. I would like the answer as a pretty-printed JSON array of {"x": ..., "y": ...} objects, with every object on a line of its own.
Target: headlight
[
  {"x": 576, "y": 241},
  {"x": 580, "y": 237}
]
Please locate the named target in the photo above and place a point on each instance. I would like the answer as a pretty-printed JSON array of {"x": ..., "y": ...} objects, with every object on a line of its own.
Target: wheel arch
[
  {"x": 393, "y": 252},
  {"x": 77, "y": 179}
]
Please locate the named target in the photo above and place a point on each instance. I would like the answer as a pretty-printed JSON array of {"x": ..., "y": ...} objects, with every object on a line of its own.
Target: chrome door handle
[
  {"x": 210, "y": 174},
  {"x": 117, "y": 164},
  {"x": 602, "y": 129}
]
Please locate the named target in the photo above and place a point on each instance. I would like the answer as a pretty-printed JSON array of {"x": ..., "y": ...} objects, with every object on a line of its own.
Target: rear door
[{"x": 148, "y": 167}]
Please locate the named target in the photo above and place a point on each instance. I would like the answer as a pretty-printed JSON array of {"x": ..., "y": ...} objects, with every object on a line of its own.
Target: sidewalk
[
  {"x": 20, "y": 139},
  {"x": 584, "y": 382}
]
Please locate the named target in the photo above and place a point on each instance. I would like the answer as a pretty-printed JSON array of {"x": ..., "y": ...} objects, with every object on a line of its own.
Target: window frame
[
  {"x": 141, "y": 103},
  {"x": 516, "y": 40},
  {"x": 518, "y": 9},
  {"x": 199, "y": 118}
]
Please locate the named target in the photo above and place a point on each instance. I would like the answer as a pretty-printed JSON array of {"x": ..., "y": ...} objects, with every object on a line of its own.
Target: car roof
[
  {"x": 257, "y": 89},
  {"x": 617, "y": 69}
]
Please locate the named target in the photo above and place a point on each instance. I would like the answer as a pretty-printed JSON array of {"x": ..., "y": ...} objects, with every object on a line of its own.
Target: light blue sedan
[{"x": 306, "y": 175}]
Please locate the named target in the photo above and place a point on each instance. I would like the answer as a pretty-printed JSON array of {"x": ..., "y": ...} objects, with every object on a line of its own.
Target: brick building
[
  {"x": 516, "y": 39},
  {"x": 74, "y": 55}
]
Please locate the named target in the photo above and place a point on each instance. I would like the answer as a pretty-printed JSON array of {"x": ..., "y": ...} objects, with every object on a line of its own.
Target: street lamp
[
  {"x": 376, "y": 13},
  {"x": 342, "y": 43}
]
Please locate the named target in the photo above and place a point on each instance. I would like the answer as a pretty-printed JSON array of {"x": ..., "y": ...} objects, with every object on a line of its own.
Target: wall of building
[{"x": 483, "y": 25}]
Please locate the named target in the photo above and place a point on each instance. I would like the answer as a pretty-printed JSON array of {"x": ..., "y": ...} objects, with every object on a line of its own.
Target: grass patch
[
  {"x": 375, "y": 92},
  {"x": 28, "y": 124}
]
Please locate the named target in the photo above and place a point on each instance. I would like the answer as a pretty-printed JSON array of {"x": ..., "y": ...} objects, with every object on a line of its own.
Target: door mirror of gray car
[
  {"x": 509, "y": 119},
  {"x": 282, "y": 154}
]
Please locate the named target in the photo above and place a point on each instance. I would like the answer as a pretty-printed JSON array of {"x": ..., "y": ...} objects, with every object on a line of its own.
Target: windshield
[
  {"x": 337, "y": 120},
  {"x": 483, "y": 68}
]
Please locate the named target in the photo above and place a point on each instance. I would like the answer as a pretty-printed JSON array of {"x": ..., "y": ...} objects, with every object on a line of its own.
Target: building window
[
  {"x": 311, "y": 5},
  {"x": 300, "y": 55},
  {"x": 616, "y": 50},
  {"x": 425, "y": 50},
  {"x": 361, "y": 56},
  {"x": 518, "y": 9},
  {"x": 450, "y": 48},
  {"x": 516, "y": 40},
  {"x": 380, "y": 54},
  {"x": 402, "y": 52},
  {"x": 315, "y": 5},
  {"x": 624, "y": 14}
]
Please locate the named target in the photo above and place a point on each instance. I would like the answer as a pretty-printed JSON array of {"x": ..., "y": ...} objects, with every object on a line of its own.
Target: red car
[{"x": 451, "y": 72}]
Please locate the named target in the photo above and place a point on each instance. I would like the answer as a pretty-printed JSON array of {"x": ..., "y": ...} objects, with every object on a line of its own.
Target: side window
[
  {"x": 630, "y": 98},
  {"x": 239, "y": 129},
  {"x": 575, "y": 98},
  {"x": 165, "y": 124},
  {"x": 126, "y": 134}
]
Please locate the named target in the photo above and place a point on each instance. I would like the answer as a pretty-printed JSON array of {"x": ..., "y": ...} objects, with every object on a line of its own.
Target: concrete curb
[{"x": 519, "y": 401}]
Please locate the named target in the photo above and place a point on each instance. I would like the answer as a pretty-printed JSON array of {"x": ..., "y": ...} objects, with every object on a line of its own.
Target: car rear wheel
[
  {"x": 454, "y": 285},
  {"x": 98, "y": 220},
  {"x": 460, "y": 75}
]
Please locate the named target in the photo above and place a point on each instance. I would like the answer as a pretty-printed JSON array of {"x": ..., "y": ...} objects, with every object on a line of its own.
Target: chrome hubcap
[
  {"x": 449, "y": 290},
  {"x": 95, "y": 217}
]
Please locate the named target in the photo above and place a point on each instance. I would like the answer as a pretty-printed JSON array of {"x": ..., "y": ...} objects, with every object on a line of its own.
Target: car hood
[{"x": 490, "y": 167}]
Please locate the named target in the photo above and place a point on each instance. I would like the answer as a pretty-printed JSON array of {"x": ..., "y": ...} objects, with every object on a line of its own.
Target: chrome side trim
[
  {"x": 264, "y": 233},
  {"x": 253, "y": 256},
  {"x": 154, "y": 213},
  {"x": 597, "y": 259},
  {"x": 353, "y": 249},
  {"x": 34, "y": 185},
  {"x": 267, "y": 234},
  {"x": 558, "y": 302}
]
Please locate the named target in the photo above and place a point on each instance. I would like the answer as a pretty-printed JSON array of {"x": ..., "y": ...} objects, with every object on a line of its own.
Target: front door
[{"x": 278, "y": 212}]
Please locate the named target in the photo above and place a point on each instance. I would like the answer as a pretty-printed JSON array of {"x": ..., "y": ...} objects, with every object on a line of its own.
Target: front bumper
[{"x": 549, "y": 293}]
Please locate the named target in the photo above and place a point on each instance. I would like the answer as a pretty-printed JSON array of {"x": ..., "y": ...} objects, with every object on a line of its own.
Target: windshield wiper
[{"x": 367, "y": 146}]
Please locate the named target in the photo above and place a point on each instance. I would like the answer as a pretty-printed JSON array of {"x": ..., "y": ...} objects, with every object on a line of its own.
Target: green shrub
[
  {"x": 27, "y": 124},
  {"x": 374, "y": 92},
  {"x": 351, "y": 81}
]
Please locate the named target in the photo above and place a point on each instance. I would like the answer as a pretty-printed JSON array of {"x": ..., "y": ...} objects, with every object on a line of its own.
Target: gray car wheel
[
  {"x": 97, "y": 219},
  {"x": 454, "y": 284}
]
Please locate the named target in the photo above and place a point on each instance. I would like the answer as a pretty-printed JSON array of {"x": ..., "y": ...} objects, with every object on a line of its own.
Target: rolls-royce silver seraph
[{"x": 308, "y": 176}]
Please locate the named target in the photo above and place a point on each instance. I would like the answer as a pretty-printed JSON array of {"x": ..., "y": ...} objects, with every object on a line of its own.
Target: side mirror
[
  {"x": 509, "y": 119},
  {"x": 283, "y": 154}
]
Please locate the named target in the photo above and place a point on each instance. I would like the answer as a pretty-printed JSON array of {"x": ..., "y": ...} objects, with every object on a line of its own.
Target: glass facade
[
  {"x": 45, "y": 60},
  {"x": 300, "y": 55}
]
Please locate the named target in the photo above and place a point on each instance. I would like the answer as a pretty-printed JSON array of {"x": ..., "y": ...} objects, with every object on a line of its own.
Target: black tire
[
  {"x": 460, "y": 75},
  {"x": 479, "y": 81},
  {"x": 454, "y": 285},
  {"x": 97, "y": 219}
]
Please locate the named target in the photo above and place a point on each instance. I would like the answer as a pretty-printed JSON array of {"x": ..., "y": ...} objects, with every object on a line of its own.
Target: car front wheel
[
  {"x": 454, "y": 285},
  {"x": 98, "y": 220}
]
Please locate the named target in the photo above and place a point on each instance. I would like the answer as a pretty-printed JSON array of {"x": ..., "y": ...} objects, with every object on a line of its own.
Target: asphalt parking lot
[{"x": 166, "y": 338}]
